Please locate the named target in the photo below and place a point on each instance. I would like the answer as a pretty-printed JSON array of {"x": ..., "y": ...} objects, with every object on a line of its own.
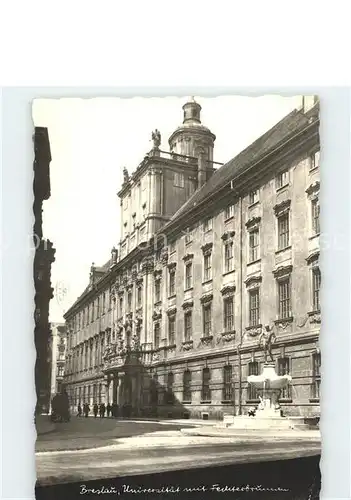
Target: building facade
[
  {"x": 43, "y": 259},
  {"x": 58, "y": 348},
  {"x": 208, "y": 260}
]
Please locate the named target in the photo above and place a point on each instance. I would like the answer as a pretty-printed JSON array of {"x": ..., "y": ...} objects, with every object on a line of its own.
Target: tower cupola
[
  {"x": 192, "y": 112},
  {"x": 192, "y": 138}
]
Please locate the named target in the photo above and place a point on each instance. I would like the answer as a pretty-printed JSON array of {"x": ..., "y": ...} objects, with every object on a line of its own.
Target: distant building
[
  {"x": 44, "y": 257},
  {"x": 207, "y": 259},
  {"x": 58, "y": 347}
]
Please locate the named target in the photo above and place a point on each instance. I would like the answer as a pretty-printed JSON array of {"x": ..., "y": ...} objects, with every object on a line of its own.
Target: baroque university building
[{"x": 209, "y": 258}]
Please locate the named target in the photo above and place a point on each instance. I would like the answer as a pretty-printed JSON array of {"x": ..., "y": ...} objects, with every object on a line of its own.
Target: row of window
[
  {"x": 91, "y": 312},
  {"x": 95, "y": 391},
  {"x": 284, "y": 306},
  {"x": 227, "y": 382},
  {"x": 284, "y": 298},
  {"x": 284, "y": 310},
  {"x": 188, "y": 323},
  {"x": 101, "y": 304},
  {"x": 283, "y": 240}
]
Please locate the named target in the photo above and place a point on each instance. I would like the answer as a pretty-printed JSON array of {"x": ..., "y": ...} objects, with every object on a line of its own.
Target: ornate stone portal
[{"x": 121, "y": 367}]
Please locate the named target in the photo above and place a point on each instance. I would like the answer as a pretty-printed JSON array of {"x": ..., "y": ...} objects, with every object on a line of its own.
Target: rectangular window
[
  {"x": 157, "y": 290},
  {"x": 98, "y": 307},
  {"x": 206, "y": 379},
  {"x": 228, "y": 257},
  {"x": 254, "y": 307},
  {"x": 171, "y": 330},
  {"x": 315, "y": 216},
  {"x": 316, "y": 375},
  {"x": 130, "y": 298},
  {"x": 157, "y": 336},
  {"x": 284, "y": 369},
  {"x": 172, "y": 247},
  {"x": 253, "y": 370},
  {"x": 227, "y": 383},
  {"x": 253, "y": 197},
  {"x": 188, "y": 326},
  {"x": 283, "y": 231},
  {"x": 229, "y": 212},
  {"x": 282, "y": 179},
  {"x": 171, "y": 282},
  {"x": 188, "y": 236},
  {"x": 254, "y": 245},
  {"x": 187, "y": 387},
  {"x": 315, "y": 160},
  {"x": 229, "y": 314},
  {"x": 207, "y": 225},
  {"x": 139, "y": 296},
  {"x": 207, "y": 267},
  {"x": 188, "y": 276},
  {"x": 207, "y": 319},
  {"x": 178, "y": 179},
  {"x": 284, "y": 297},
  {"x": 169, "y": 392},
  {"x": 103, "y": 302},
  {"x": 316, "y": 284}
]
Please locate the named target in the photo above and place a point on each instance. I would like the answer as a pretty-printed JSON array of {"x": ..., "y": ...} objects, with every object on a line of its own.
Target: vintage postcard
[{"x": 178, "y": 286}]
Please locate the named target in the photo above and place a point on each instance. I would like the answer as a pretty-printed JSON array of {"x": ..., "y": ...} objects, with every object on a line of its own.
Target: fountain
[{"x": 268, "y": 386}]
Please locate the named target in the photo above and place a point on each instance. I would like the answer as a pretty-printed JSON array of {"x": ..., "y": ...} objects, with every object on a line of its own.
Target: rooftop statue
[
  {"x": 125, "y": 175},
  {"x": 156, "y": 138}
]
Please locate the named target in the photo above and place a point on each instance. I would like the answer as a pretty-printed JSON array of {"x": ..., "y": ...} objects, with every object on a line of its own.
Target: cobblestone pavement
[{"x": 162, "y": 450}]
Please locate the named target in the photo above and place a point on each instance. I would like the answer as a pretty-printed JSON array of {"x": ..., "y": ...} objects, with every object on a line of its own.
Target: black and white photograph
[{"x": 178, "y": 295}]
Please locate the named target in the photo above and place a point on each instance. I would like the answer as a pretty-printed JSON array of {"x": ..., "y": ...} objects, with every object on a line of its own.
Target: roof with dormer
[{"x": 289, "y": 126}]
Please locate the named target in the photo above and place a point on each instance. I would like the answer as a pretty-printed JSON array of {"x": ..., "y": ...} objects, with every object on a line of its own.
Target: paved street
[
  {"x": 131, "y": 448},
  {"x": 84, "y": 433}
]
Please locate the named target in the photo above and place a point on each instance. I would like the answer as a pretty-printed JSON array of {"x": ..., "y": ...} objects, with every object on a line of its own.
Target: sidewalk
[
  {"x": 44, "y": 425},
  {"x": 257, "y": 435}
]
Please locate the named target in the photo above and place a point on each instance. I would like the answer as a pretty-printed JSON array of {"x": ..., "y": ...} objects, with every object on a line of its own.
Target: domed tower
[{"x": 192, "y": 138}]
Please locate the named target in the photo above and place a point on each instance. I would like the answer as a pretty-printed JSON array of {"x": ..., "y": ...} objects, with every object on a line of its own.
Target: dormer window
[
  {"x": 207, "y": 225},
  {"x": 253, "y": 197},
  {"x": 315, "y": 160},
  {"x": 282, "y": 179},
  {"x": 229, "y": 212}
]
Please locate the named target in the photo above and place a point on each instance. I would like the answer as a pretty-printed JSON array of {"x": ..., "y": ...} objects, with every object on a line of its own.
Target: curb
[{"x": 253, "y": 437}]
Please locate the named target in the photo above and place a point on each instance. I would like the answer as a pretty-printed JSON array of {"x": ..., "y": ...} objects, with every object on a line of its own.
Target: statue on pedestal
[
  {"x": 266, "y": 339},
  {"x": 125, "y": 175},
  {"x": 156, "y": 138},
  {"x": 114, "y": 255}
]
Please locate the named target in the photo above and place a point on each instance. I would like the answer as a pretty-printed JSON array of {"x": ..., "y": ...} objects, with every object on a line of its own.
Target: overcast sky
[{"x": 92, "y": 140}]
